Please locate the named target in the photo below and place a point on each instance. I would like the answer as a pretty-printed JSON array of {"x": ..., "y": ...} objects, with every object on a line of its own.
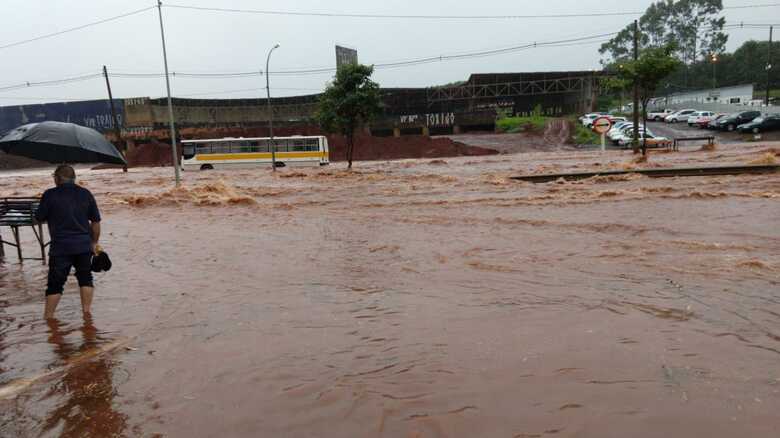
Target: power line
[
  {"x": 73, "y": 29},
  {"x": 592, "y": 39},
  {"x": 403, "y": 17},
  {"x": 430, "y": 17},
  {"x": 764, "y": 5},
  {"x": 245, "y": 90},
  {"x": 52, "y": 82}
]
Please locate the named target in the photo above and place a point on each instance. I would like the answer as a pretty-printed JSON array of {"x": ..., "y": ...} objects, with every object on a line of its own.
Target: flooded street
[{"x": 413, "y": 298}]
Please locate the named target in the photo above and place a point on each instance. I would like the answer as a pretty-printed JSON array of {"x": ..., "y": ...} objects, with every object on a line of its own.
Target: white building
[{"x": 738, "y": 94}]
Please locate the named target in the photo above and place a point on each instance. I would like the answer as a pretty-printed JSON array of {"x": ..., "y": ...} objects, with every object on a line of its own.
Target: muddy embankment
[
  {"x": 8, "y": 162},
  {"x": 367, "y": 148},
  {"x": 556, "y": 136}
]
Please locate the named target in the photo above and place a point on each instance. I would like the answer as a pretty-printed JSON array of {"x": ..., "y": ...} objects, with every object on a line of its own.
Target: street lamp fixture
[
  {"x": 714, "y": 77},
  {"x": 271, "y": 143}
]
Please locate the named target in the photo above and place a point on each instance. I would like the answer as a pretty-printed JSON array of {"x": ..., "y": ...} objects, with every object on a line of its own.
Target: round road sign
[{"x": 602, "y": 125}]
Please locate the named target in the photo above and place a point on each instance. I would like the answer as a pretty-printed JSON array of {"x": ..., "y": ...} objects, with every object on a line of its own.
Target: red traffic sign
[{"x": 602, "y": 125}]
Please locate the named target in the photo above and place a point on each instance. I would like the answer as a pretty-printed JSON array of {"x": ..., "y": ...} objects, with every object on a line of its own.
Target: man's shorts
[{"x": 59, "y": 269}]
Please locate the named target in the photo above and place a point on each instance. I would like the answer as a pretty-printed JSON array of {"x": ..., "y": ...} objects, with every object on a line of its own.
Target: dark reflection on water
[{"x": 86, "y": 390}]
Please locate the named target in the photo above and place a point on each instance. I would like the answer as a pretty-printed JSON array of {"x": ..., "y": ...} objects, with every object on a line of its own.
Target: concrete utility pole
[
  {"x": 636, "y": 87},
  {"x": 769, "y": 66},
  {"x": 117, "y": 131},
  {"x": 170, "y": 101},
  {"x": 270, "y": 108}
]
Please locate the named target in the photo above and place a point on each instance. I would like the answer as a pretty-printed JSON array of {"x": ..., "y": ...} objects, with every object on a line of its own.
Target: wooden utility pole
[
  {"x": 769, "y": 66},
  {"x": 117, "y": 131},
  {"x": 636, "y": 88}
]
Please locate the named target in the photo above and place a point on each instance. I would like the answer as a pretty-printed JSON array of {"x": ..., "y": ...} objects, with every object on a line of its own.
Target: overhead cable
[
  {"x": 73, "y": 29},
  {"x": 430, "y": 17}
]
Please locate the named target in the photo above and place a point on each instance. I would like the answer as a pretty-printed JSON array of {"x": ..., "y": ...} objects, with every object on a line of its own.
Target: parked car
[
  {"x": 659, "y": 116},
  {"x": 703, "y": 122},
  {"x": 614, "y": 136},
  {"x": 616, "y": 129},
  {"x": 713, "y": 124},
  {"x": 651, "y": 140},
  {"x": 764, "y": 123},
  {"x": 679, "y": 116},
  {"x": 694, "y": 118},
  {"x": 627, "y": 135},
  {"x": 588, "y": 119},
  {"x": 731, "y": 122},
  {"x": 589, "y": 123}
]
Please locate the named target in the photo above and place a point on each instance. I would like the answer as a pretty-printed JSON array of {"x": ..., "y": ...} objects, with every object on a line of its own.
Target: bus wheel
[
  {"x": 207, "y": 167},
  {"x": 280, "y": 164}
]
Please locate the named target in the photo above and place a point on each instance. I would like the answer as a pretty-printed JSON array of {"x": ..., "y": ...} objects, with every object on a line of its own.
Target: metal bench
[
  {"x": 16, "y": 213},
  {"x": 710, "y": 140}
]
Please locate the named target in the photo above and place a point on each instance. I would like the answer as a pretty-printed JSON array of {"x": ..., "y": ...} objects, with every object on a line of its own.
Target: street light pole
[
  {"x": 714, "y": 76},
  {"x": 270, "y": 108},
  {"x": 170, "y": 102},
  {"x": 769, "y": 66}
]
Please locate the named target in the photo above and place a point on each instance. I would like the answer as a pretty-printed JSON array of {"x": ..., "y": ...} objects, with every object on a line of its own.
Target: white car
[
  {"x": 589, "y": 123},
  {"x": 616, "y": 129},
  {"x": 659, "y": 115},
  {"x": 627, "y": 134},
  {"x": 698, "y": 116},
  {"x": 679, "y": 116},
  {"x": 588, "y": 119},
  {"x": 648, "y": 138}
]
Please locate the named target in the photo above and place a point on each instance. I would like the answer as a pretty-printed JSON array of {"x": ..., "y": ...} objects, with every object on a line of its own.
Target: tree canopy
[
  {"x": 694, "y": 25},
  {"x": 647, "y": 72},
  {"x": 351, "y": 100}
]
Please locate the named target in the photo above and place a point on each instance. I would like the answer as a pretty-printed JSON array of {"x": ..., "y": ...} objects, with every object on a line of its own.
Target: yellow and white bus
[{"x": 252, "y": 152}]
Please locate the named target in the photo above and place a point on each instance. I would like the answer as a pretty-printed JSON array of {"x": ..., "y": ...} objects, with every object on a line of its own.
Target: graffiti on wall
[
  {"x": 430, "y": 120},
  {"x": 95, "y": 114}
]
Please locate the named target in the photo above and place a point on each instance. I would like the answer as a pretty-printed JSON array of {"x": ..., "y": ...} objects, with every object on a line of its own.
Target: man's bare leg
[
  {"x": 51, "y": 305},
  {"x": 86, "y": 300}
]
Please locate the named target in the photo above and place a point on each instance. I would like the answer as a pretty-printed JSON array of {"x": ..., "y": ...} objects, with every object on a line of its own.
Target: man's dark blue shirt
[{"x": 68, "y": 209}]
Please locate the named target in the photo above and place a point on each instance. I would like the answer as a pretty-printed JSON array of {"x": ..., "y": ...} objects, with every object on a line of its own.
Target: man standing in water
[{"x": 74, "y": 226}]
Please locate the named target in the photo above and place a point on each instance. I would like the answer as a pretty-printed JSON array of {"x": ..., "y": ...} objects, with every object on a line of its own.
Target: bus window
[
  {"x": 280, "y": 145},
  {"x": 188, "y": 151},
  {"x": 203, "y": 148},
  {"x": 298, "y": 145},
  {"x": 243, "y": 147}
]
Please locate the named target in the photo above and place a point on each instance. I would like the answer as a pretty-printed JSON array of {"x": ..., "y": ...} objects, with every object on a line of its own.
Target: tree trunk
[
  {"x": 350, "y": 144},
  {"x": 644, "y": 118}
]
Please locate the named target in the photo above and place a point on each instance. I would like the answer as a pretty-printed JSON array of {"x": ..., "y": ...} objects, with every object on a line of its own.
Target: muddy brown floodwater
[{"x": 412, "y": 298}]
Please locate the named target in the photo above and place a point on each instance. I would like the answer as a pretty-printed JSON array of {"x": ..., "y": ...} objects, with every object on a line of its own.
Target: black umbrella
[{"x": 58, "y": 142}]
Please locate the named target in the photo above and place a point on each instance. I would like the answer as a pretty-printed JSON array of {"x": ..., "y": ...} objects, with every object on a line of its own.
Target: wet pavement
[{"x": 415, "y": 298}]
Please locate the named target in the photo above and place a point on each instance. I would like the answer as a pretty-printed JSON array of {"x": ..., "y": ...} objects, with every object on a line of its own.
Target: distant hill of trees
[
  {"x": 747, "y": 65},
  {"x": 696, "y": 29}
]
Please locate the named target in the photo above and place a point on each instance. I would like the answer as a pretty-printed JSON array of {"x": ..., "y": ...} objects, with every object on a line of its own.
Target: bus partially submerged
[{"x": 252, "y": 152}]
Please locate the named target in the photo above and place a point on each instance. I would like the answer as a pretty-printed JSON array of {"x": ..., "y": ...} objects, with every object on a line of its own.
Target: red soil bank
[{"x": 366, "y": 147}]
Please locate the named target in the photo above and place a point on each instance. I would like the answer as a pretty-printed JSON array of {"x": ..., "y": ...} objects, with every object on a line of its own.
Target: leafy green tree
[
  {"x": 695, "y": 25},
  {"x": 747, "y": 65},
  {"x": 698, "y": 28},
  {"x": 647, "y": 72},
  {"x": 351, "y": 100}
]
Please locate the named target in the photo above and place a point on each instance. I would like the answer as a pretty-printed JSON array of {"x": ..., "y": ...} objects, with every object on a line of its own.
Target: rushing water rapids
[{"x": 411, "y": 298}]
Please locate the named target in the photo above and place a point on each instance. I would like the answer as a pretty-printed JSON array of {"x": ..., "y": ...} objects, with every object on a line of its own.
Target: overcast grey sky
[{"x": 200, "y": 41}]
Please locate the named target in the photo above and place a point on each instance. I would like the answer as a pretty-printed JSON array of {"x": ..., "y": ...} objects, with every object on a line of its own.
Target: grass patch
[
  {"x": 521, "y": 124},
  {"x": 535, "y": 122},
  {"x": 583, "y": 135}
]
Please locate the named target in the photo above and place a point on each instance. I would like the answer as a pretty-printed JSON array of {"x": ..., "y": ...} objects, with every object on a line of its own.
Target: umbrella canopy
[{"x": 58, "y": 142}]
